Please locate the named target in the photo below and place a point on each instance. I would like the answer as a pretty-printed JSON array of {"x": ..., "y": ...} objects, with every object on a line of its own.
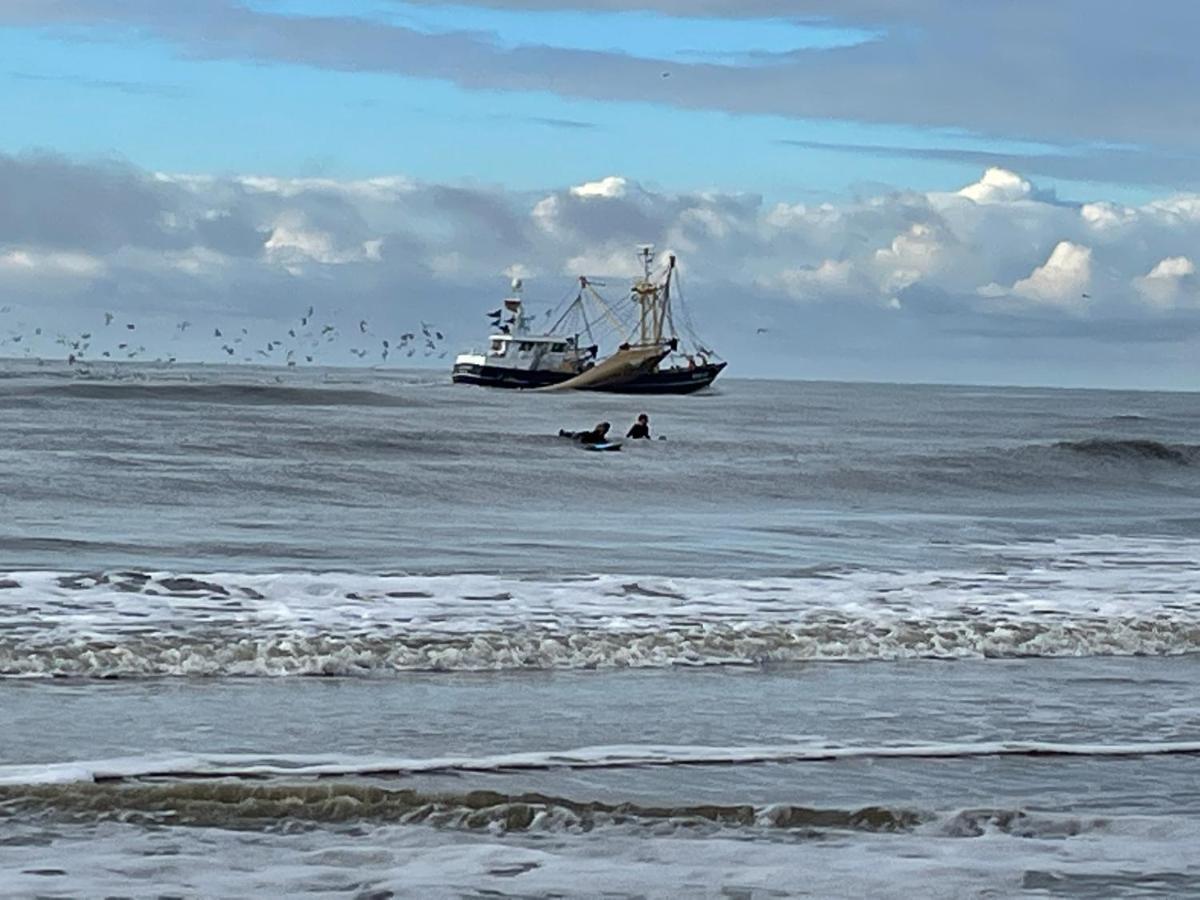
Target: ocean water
[{"x": 352, "y": 633}]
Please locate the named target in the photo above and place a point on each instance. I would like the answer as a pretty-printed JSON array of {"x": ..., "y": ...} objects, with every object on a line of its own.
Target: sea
[{"x": 367, "y": 634}]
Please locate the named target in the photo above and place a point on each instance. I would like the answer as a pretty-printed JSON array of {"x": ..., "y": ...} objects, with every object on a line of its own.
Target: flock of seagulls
[{"x": 305, "y": 341}]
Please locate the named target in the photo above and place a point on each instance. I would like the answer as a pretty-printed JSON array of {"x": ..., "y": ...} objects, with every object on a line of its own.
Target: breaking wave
[
  {"x": 226, "y": 803},
  {"x": 817, "y": 640},
  {"x": 1051, "y": 599},
  {"x": 233, "y": 790}
]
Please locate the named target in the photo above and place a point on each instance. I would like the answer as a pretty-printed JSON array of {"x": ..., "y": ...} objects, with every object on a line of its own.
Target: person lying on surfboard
[{"x": 597, "y": 435}]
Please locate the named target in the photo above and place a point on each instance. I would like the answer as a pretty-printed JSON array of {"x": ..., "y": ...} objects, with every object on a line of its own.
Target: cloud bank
[{"x": 950, "y": 278}]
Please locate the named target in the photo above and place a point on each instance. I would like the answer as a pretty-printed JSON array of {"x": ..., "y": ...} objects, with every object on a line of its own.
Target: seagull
[
  {"x": 131, "y": 326},
  {"x": 1086, "y": 296},
  {"x": 327, "y": 329},
  {"x": 216, "y": 332},
  {"x": 760, "y": 331},
  {"x": 362, "y": 326},
  {"x": 108, "y": 317}
]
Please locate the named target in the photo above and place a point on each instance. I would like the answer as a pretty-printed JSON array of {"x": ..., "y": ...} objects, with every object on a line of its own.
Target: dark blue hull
[
  {"x": 659, "y": 381},
  {"x": 668, "y": 381},
  {"x": 498, "y": 376}
]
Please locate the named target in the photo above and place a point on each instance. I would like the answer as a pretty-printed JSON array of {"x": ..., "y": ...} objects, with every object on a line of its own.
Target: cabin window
[
  {"x": 558, "y": 348},
  {"x": 526, "y": 346},
  {"x": 498, "y": 347}
]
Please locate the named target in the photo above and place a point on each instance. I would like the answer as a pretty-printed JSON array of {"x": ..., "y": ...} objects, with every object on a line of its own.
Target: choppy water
[{"x": 825, "y": 639}]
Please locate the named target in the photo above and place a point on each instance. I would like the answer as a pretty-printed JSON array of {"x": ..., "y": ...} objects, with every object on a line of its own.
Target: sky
[{"x": 1005, "y": 191}]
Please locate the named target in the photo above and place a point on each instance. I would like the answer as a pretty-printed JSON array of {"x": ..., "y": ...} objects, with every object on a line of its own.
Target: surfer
[
  {"x": 597, "y": 435},
  {"x": 639, "y": 429}
]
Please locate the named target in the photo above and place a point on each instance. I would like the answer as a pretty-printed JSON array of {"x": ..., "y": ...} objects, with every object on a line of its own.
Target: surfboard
[{"x": 612, "y": 445}]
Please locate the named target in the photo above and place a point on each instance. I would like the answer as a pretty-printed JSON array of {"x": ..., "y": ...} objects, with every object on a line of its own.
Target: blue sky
[
  {"x": 112, "y": 91},
  {"x": 999, "y": 191}
]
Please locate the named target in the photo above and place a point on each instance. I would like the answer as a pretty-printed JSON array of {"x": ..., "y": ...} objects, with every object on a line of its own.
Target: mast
[
  {"x": 514, "y": 305},
  {"x": 664, "y": 303},
  {"x": 648, "y": 297}
]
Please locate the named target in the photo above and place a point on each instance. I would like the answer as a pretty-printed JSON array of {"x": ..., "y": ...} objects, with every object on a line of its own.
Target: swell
[
  {"x": 1133, "y": 450},
  {"x": 225, "y": 394}
]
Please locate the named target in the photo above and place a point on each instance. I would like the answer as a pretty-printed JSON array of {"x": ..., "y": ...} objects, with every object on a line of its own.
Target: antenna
[{"x": 646, "y": 254}]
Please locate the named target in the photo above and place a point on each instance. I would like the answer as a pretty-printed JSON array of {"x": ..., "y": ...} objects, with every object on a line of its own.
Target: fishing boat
[{"x": 645, "y": 352}]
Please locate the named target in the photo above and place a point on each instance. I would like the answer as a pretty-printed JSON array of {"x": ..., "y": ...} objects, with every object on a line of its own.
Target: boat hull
[
  {"x": 667, "y": 381},
  {"x": 501, "y": 377},
  {"x": 658, "y": 381}
]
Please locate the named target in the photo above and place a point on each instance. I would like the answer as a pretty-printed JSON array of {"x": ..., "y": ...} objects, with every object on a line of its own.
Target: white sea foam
[
  {"x": 1095, "y": 596},
  {"x": 1117, "y": 856}
]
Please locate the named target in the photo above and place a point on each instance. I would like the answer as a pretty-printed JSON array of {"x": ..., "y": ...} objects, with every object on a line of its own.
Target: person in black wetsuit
[
  {"x": 597, "y": 435},
  {"x": 640, "y": 428}
]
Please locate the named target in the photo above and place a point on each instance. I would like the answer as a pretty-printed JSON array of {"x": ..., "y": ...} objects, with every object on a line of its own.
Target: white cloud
[
  {"x": 911, "y": 256},
  {"x": 294, "y": 241},
  {"x": 517, "y": 271},
  {"x": 614, "y": 262},
  {"x": 1104, "y": 216},
  {"x": 1182, "y": 208},
  {"x": 375, "y": 189},
  {"x": 1062, "y": 279},
  {"x": 998, "y": 186},
  {"x": 1171, "y": 281},
  {"x": 612, "y": 187},
  {"x": 33, "y": 262},
  {"x": 832, "y": 278},
  {"x": 545, "y": 214}
]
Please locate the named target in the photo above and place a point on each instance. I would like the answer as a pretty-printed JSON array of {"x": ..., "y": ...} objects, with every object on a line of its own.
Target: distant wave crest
[{"x": 233, "y": 394}]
